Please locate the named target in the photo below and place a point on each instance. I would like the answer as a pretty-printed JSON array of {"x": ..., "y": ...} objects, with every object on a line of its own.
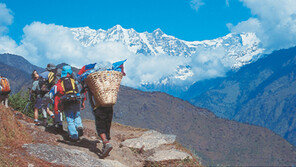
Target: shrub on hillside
[{"x": 21, "y": 102}]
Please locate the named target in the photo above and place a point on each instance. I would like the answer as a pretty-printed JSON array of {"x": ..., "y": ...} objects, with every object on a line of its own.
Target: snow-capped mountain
[
  {"x": 239, "y": 49},
  {"x": 243, "y": 48}
]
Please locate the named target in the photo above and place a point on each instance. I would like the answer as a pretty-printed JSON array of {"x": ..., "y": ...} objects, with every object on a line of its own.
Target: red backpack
[{"x": 4, "y": 86}]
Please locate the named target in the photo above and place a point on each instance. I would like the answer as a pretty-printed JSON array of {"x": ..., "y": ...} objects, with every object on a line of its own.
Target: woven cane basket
[{"x": 105, "y": 86}]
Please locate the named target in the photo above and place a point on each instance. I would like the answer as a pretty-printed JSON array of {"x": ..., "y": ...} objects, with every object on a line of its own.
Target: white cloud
[
  {"x": 274, "y": 22},
  {"x": 210, "y": 64},
  {"x": 227, "y": 3},
  {"x": 8, "y": 45},
  {"x": 50, "y": 43},
  {"x": 6, "y": 18},
  {"x": 196, "y": 4},
  {"x": 44, "y": 43}
]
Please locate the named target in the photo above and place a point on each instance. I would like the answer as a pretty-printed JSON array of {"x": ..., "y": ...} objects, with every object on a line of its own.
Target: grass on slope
[{"x": 13, "y": 135}]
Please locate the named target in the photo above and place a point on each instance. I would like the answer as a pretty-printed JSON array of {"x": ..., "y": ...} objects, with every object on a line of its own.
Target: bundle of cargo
[{"x": 105, "y": 84}]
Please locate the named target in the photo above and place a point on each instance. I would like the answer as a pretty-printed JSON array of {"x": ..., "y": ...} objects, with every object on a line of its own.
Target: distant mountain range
[
  {"x": 262, "y": 93},
  {"x": 216, "y": 141},
  {"x": 19, "y": 62},
  {"x": 240, "y": 49}
]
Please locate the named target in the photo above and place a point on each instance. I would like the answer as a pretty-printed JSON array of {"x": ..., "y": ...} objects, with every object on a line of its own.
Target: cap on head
[
  {"x": 50, "y": 67},
  {"x": 66, "y": 69},
  {"x": 33, "y": 75}
]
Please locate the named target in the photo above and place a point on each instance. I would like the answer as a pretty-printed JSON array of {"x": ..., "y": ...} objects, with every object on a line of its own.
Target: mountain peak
[
  {"x": 158, "y": 32},
  {"x": 117, "y": 27}
]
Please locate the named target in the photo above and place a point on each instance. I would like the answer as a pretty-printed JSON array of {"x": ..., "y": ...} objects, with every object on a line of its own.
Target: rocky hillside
[
  {"x": 262, "y": 93},
  {"x": 24, "y": 144}
]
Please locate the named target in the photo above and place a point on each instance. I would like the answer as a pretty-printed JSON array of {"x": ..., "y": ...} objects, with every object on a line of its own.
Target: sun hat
[{"x": 50, "y": 67}]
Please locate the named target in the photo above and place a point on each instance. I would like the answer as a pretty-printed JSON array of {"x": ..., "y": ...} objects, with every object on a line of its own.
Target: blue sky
[{"x": 175, "y": 17}]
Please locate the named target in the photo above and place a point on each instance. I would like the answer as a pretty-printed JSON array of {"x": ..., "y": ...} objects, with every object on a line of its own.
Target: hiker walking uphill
[
  {"x": 53, "y": 74},
  {"x": 68, "y": 100},
  {"x": 102, "y": 83},
  {"x": 4, "y": 90},
  {"x": 40, "y": 102}
]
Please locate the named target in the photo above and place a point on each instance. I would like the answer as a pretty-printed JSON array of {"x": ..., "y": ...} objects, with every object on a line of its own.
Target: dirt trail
[{"x": 48, "y": 147}]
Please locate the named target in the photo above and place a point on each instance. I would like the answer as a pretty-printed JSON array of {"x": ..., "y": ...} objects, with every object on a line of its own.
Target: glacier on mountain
[{"x": 239, "y": 49}]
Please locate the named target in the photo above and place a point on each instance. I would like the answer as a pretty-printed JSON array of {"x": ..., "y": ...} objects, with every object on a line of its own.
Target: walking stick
[{"x": 26, "y": 108}]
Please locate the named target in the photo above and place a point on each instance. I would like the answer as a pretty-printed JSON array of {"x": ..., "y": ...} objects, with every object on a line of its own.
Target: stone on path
[
  {"x": 149, "y": 140},
  {"x": 165, "y": 155},
  {"x": 69, "y": 157}
]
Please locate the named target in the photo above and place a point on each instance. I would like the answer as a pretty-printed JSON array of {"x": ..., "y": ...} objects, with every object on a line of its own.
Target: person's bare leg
[
  {"x": 6, "y": 102},
  {"x": 36, "y": 121},
  {"x": 104, "y": 138},
  {"x": 50, "y": 113},
  {"x": 36, "y": 113}
]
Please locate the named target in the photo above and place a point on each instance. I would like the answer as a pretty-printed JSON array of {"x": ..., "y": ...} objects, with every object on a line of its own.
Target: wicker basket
[{"x": 105, "y": 86}]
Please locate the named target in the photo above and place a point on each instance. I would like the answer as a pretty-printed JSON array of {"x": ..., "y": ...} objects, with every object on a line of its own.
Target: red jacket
[{"x": 58, "y": 96}]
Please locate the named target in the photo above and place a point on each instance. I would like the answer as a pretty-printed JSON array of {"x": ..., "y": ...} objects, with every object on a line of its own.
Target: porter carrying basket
[{"x": 104, "y": 86}]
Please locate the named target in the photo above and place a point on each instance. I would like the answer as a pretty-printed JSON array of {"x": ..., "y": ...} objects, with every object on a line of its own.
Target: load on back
[
  {"x": 4, "y": 86},
  {"x": 103, "y": 79}
]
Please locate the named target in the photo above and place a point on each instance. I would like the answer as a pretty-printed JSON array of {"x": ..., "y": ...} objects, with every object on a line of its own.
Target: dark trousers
[{"x": 103, "y": 118}]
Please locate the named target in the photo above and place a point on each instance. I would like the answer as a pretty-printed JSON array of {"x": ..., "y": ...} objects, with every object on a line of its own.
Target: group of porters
[{"x": 62, "y": 91}]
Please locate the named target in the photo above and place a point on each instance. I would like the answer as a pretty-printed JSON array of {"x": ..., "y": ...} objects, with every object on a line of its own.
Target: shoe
[
  {"x": 60, "y": 128},
  {"x": 106, "y": 150},
  {"x": 73, "y": 140},
  {"x": 80, "y": 131},
  {"x": 37, "y": 123}
]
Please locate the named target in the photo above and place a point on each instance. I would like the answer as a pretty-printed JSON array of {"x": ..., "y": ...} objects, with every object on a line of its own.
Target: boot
[
  {"x": 80, "y": 131},
  {"x": 72, "y": 139},
  {"x": 59, "y": 127},
  {"x": 107, "y": 147}
]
